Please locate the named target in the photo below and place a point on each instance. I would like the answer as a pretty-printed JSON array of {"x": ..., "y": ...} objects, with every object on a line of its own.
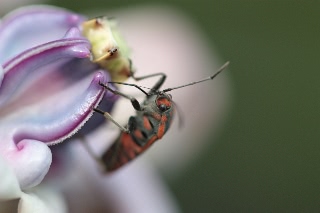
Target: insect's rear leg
[
  {"x": 158, "y": 83},
  {"x": 96, "y": 158}
]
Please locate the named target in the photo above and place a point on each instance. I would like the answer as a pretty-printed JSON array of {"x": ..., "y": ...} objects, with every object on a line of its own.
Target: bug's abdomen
[
  {"x": 122, "y": 151},
  {"x": 144, "y": 131}
]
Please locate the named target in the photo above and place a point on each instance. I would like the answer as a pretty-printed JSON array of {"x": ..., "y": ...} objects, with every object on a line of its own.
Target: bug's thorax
[{"x": 159, "y": 109}]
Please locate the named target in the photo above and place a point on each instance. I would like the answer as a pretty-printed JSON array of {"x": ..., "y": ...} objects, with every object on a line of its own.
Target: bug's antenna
[{"x": 196, "y": 82}]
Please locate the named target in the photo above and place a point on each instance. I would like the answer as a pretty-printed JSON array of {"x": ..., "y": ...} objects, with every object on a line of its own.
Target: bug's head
[{"x": 163, "y": 102}]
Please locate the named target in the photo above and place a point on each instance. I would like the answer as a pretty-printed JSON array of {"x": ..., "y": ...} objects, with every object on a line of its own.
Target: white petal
[
  {"x": 30, "y": 203},
  {"x": 41, "y": 202},
  {"x": 9, "y": 185}
]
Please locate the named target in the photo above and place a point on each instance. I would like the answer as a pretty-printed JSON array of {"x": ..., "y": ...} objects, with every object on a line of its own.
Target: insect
[{"x": 153, "y": 119}]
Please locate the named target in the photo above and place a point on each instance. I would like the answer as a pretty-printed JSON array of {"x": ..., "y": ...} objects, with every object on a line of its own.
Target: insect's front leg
[
  {"x": 135, "y": 103},
  {"x": 109, "y": 117}
]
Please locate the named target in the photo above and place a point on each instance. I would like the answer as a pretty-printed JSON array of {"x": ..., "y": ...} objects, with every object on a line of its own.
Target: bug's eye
[
  {"x": 163, "y": 103},
  {"x": 163, "y": 107}
]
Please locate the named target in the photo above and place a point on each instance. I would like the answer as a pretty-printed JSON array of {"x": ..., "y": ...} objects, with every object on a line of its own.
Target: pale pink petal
[
  {"x": 135, "y": 188},
  {"x": 30, "y": 161}
]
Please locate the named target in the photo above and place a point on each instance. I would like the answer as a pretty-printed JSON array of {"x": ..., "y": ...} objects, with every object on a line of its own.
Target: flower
[
  {"x": 48, "y": 89},
  {"x": 161, "y": 39}
]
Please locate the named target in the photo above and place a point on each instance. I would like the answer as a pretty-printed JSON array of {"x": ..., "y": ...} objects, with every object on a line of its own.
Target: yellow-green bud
[{"x": 108, "y": 48}]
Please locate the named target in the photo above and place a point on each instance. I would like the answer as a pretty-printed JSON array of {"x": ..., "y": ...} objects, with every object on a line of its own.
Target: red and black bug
[{"x": 153, "y": 119}]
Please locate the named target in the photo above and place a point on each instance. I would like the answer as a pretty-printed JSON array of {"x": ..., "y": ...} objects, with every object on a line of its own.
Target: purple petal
[
  {"x": 97, "y": 120},
  {"x": 18, "y": 69},
  {"x": 1, "y": 74},
  {"x": 34, "y": 25},
  {"x": 56, "y": 125},
  {"x": 25, "y": 132},
  {"x": 47, "y": 94}
]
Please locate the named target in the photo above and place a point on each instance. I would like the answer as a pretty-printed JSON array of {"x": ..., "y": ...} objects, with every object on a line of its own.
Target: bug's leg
[
  {"x": 135, "y": 103},
  {"x": 127, "y": 84},
  {"x": 87, "y": 147},
  {"x": 158, "y": 83},
  {"x": 109, "y": 117}
]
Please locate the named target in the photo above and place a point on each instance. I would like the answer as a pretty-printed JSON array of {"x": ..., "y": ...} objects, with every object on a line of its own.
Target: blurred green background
[{"x": 267, "y": 157}]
